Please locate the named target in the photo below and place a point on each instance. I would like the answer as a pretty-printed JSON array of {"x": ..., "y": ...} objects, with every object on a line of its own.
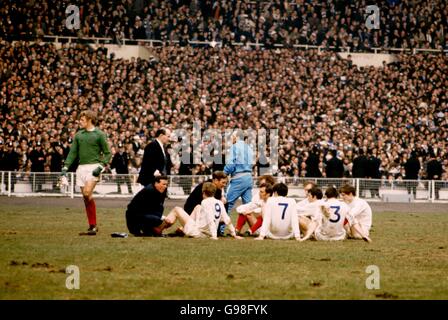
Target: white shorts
[
  {"x": 191, "y": 229},
  {"x": 84, "y": 174}
]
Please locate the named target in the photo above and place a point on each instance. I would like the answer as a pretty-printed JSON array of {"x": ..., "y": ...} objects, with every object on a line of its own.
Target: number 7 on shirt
[{"x": 285, "y": 206}]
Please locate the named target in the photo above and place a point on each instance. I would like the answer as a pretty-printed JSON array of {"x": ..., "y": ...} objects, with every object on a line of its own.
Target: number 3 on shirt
[
  {"x": 336, "y": 212},
  {"x": 217, "y": 210},
  {"x": 285, "y": 206}
]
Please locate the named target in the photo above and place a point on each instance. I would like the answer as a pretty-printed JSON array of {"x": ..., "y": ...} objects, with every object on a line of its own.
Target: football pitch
[{"x": 39, "y": 240}]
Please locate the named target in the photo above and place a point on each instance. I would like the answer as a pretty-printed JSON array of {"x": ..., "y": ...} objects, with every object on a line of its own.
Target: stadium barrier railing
[
  {"x": 125, "y": 185},
  {"x": 161, "y": 43}
]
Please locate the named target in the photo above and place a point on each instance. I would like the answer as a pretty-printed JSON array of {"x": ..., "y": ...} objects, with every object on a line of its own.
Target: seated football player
[
  {"x": 310, "y": 210},
  {"x": 360, "y": 211},
  {"x": 251, "y": 212},
  {"x": 204, "y": 220},
  {"x": 330, "y": 223},
  {"x": 279, "y": 216}
]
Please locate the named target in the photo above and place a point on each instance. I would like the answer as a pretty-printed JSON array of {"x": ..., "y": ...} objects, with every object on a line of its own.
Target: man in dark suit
[
  {"x": 144, "y": 214},
  {"x": 373, "y": 172},
  {"x": 156, "y": 160},
  {"x": 120, "y": 162},
  {"x": 37, "y": 157},
  {"x": 360, "y": 167},
  {"x": 335, "y": 166},
  {"x": 186, "y": 169},
  {"x": 312, "y": 164},
  {"x": 434, "y": 171},
  {"x": 11, "y": 162},
  {"x": 412, "y": 168}
]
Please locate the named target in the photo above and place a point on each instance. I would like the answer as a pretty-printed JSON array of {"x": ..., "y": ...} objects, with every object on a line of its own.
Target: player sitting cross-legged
[
  {"x": 251, "y": 212},
  {"x": 360, "y": 211},
  {"x": 308, "y": 210},
  {"x": 302, "y": 204},
  {"x": 280, "y": 216},
  {"x": 204, "y": 220},
  {"x": 330, "y": 223}
]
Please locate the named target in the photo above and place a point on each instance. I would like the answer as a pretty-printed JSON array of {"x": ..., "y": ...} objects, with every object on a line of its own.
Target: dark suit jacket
[
  {"x": 145, "y": 211},
  {"x": 434, "y": 168},
  {"x": 312, "y": 166},
  {"x": 153, "y": 160},
  {"x": 374, "y": 168},
  {"x": 120, "y": 163},
  {"x": 147, "y": 201},
  {"x": 412, "y": 168},
  {"x": 360, "y": 167},
  {"x": 335, "y": 168}
]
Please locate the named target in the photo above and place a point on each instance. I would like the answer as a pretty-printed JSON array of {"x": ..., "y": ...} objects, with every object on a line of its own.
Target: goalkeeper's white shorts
[{"x": 84, "y": 174}]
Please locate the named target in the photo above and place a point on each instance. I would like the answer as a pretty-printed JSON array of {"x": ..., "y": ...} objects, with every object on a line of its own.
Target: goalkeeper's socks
[
  {"x": 257, "y": 224},
  {"x": 91, "y": 211},
  {"x": 240, "y": 222}
]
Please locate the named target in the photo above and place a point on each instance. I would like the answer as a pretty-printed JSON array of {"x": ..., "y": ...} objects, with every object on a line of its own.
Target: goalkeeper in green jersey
[{"x": 92, "y": 151}]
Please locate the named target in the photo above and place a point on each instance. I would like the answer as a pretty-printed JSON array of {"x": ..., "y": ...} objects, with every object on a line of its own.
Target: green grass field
[{"x": 37, "y": 244}]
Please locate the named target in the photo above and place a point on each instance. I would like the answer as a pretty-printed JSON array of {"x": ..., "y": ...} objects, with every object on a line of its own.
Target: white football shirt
[
  {"x": 280, "y": 219},
  {"x": 332, "y": 228},
  {"x": 253, "y": 206},
  {"x": 361, "y": 213},
  {"x": 212, "y": 212},
  {"x": 301, "y": 207},
  {"x": 310, "y": 209}
]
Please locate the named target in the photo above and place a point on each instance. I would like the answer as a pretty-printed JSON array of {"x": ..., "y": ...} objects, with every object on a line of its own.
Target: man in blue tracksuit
[{"x": 239, "y": 168}]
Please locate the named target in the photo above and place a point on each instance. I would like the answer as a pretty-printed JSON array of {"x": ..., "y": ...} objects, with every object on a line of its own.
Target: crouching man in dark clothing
[{"x": 144, "y": 216}]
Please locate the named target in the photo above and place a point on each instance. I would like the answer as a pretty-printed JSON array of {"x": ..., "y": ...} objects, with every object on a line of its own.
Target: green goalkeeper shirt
[{"x": 89, "y": 147}]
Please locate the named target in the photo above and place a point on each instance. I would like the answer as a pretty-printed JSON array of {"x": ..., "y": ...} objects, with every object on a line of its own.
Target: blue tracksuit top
[{"x": 240, "y": 158}]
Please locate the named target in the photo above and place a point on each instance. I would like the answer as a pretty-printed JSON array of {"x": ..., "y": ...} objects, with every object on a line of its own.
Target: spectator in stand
[
  {"x": 335, "y": 166},
  {"x": 360, "y": 168},
  {"x": 373, "y": 172},
  {"x": 55, "y": 158},
  {"x": 434, "y": 171},
  {"x": 120, "y": 166},
  {"x": 412, "y": 169},
  {"x": 312, "y": 164},
  {"x": 37, "y": 158},
  {"x": 11, "y": 163}
]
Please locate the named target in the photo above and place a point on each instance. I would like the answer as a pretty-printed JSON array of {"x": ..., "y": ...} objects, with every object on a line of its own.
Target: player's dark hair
[
  {"x": 316, "y": 192},
  {"x": 347, "y": 189},
  {"x": 331, "y": 192},
  {"x": 281, "y": 189},
  {"x": 267, "y": 178},
  {"x": 209, "y": 189},
  {"x": 267, "y": 188},
  {"x": 218, "y": 175},
  {"x": 158, "y": 178}
]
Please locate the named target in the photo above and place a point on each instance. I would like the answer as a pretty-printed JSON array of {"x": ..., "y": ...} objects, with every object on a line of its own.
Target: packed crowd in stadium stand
[
  {"x": 318, "y": 101},
  {"x": 340, "y": 23}
]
